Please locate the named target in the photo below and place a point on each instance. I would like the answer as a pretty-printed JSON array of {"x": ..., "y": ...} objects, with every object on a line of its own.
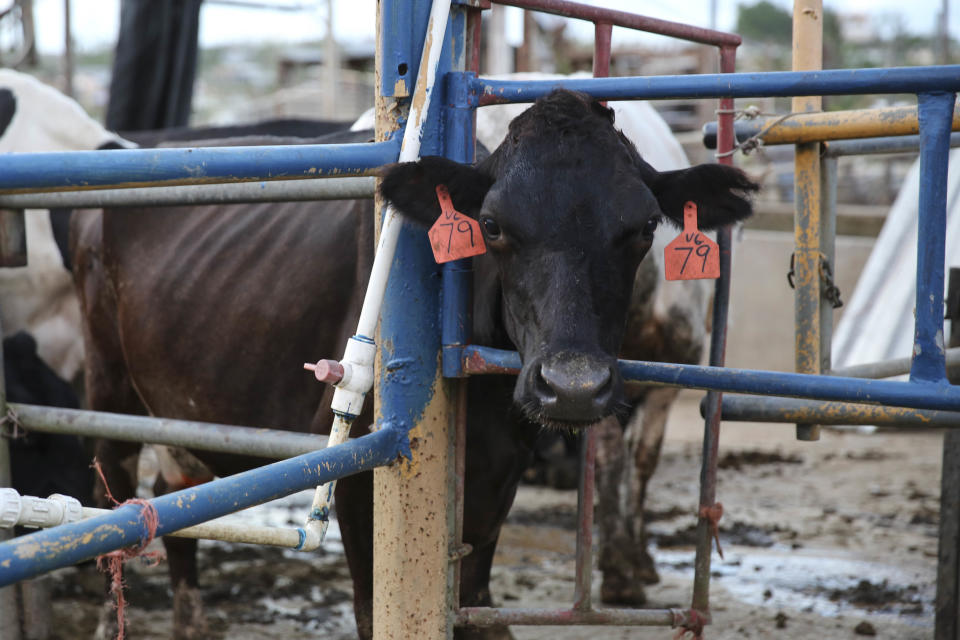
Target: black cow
[
  {"x": 206, "y": 313},
  {"x": 43, "y": 463}
]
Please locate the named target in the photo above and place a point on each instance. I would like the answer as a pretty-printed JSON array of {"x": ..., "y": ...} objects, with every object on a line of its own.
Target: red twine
[
  {"x": 112, "y": 563},
  {"x": 694, "y": 623},
  {"x": 713, "y": 515}
]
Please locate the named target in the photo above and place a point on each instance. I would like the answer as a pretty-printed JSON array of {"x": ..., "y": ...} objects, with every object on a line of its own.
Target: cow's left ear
[
  {"x": 722, "y": 193},
  {"x": 411, "y": 187}
]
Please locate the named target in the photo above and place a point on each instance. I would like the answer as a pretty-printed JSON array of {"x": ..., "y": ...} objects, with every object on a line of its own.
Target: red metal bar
[
  {"x": 628, "y": 20},
  {"x": 601, "y": 49},
  {"x": 474, "y": 21},
  {"x": 490, "y": 616},
  {"x": 584, "y": 560},
  {"x": 718, "y": 344},
  {"x": 588, "y": 449}
]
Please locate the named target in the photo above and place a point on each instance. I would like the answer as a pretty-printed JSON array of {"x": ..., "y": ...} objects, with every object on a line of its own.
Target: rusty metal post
[
  {"x": 807, "y": 56},
  {"x": 413, "y": 499},
  {"x": 718, "y": 346},
  {"x": 588, "y": 440}
]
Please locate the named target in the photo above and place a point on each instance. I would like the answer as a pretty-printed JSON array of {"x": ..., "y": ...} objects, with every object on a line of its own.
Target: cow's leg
[
  {"x": 617, "y": 542},
  {"x": 189, "y": 621},
  {"x": 475, "y": 592},
  {"x": 355, "y": 517},
  {"x": 625, "y": 562},
  {"x": 354, "y": 504}
]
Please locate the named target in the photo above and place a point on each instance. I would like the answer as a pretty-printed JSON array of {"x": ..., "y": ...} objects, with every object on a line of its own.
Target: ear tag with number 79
[
  {"x": 691, "y": 255},
  {"x": 454, "y": 235}
]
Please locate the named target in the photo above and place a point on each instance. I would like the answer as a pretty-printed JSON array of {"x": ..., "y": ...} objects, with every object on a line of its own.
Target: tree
[{"x": 765, "y": 22}]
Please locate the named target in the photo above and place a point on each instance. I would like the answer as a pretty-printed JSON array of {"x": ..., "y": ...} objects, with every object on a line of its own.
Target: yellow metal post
[{"x": 807, "y": 56}]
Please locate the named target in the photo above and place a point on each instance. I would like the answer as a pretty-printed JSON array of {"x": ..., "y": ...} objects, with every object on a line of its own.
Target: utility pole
[
  {"x": 68, "y": 65},
  {"x": 331, "y": 64},
  {"x": 944, "y": 29},
  {"x": 29, "y": 58}
]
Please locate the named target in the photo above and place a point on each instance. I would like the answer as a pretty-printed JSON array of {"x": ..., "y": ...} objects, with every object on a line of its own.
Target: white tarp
[{"x": 877, "y": 323}]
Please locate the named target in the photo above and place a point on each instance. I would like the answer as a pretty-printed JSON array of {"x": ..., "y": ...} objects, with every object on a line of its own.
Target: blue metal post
[
  {"x": 935, "y": 112},
  {"x": 458, "y": 275},
  {"x": 69, "y": 544}
]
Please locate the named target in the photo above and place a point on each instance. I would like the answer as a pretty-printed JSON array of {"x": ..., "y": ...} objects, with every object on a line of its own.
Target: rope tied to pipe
[
  {"x": 755, "y": 141},
  {"x": 12, "y": 419},
  {"x": 691, "y": 622},
  {"x": 112, "y": 563},
  {"x": 712, "y": 515}
]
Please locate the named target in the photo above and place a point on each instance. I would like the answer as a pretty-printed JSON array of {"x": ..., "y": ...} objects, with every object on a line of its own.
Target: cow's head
[{"x": 568, "y": 209}]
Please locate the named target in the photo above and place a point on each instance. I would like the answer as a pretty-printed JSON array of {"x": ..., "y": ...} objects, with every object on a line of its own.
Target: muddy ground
[{"x": 834, "y": 539}]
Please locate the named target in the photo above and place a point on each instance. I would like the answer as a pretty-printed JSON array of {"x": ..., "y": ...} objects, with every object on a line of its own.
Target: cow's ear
[
  {"x": 722, "y": 194},
  {"x": 411, "y": 187}
]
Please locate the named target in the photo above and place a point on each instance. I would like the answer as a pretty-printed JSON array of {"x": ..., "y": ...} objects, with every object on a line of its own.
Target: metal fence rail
[
  {"x": 231, "y": 193},
  {"x": 43, "y": 551},
  {"x": 484, "y": 91},
  {"x": 71, "y": 170},
  {"x": 252, "y": 441}
]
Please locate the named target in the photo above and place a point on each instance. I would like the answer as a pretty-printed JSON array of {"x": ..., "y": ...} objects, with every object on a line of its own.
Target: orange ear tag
[
  {"x": 691, "y": 255},
  {"x": 454, "y": 235}
]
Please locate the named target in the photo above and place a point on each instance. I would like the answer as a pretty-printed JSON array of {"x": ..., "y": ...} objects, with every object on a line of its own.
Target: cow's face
[{"x": 568, "y": 209}]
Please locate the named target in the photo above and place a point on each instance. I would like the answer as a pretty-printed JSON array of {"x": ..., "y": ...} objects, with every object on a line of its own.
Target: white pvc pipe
[
  {"x": 360, "y": 352},
  {"x": 34, "y": 512}
]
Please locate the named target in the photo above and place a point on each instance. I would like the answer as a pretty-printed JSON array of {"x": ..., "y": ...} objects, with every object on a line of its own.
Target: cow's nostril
[
  {"x": 542, "y": 388},
  {"x": 604, "y": 392}
]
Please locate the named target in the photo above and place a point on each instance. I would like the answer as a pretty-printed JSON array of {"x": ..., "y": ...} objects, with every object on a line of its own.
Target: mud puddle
[{"x": 820, "y": 582}]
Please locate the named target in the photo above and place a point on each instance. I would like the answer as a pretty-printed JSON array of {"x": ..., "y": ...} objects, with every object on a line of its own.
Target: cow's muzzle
[{"x": 571, "y": 388}]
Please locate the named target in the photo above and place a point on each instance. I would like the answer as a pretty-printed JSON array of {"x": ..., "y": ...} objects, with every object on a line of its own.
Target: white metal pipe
[
  {"x": 34, "y": 512},
  {"x": 197, "y": 194},
  {"x": 361, "y": 350}
]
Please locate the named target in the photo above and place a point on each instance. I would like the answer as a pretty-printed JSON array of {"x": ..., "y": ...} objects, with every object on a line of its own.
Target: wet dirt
[{"x": 828, "y": 539}]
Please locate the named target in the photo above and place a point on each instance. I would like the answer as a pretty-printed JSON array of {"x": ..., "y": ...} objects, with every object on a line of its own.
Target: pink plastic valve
[{"x": 329, "y": 371}]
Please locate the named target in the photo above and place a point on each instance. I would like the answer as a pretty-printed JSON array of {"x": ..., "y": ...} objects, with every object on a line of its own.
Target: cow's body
[{"x": 207, "y": 313}]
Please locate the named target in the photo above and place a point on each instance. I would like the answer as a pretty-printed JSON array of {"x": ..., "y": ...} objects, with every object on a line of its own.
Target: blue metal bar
[
  {"x": 731, "y": 85},
  {"x": 69, "y": 544},
  {"x": 20, "y": 172},
  {"x": 935, "y": 112},
  {"x": 915, "y": 395}
]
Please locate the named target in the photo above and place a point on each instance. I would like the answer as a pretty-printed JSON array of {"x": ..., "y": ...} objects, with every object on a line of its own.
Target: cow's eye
[
  {"x": 490, "y": 227},
  {"x": 651, "y": 225}
]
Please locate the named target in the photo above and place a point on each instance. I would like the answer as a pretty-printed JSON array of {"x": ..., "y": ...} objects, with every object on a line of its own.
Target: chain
[{"x": 830, "y": 289}]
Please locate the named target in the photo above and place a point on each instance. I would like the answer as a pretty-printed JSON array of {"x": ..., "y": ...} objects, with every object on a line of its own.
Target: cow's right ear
[{"x": 411, "y": 187}]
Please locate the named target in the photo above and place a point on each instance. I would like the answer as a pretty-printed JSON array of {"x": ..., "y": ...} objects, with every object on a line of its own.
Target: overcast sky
[{"x": 95, "y": 21}]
